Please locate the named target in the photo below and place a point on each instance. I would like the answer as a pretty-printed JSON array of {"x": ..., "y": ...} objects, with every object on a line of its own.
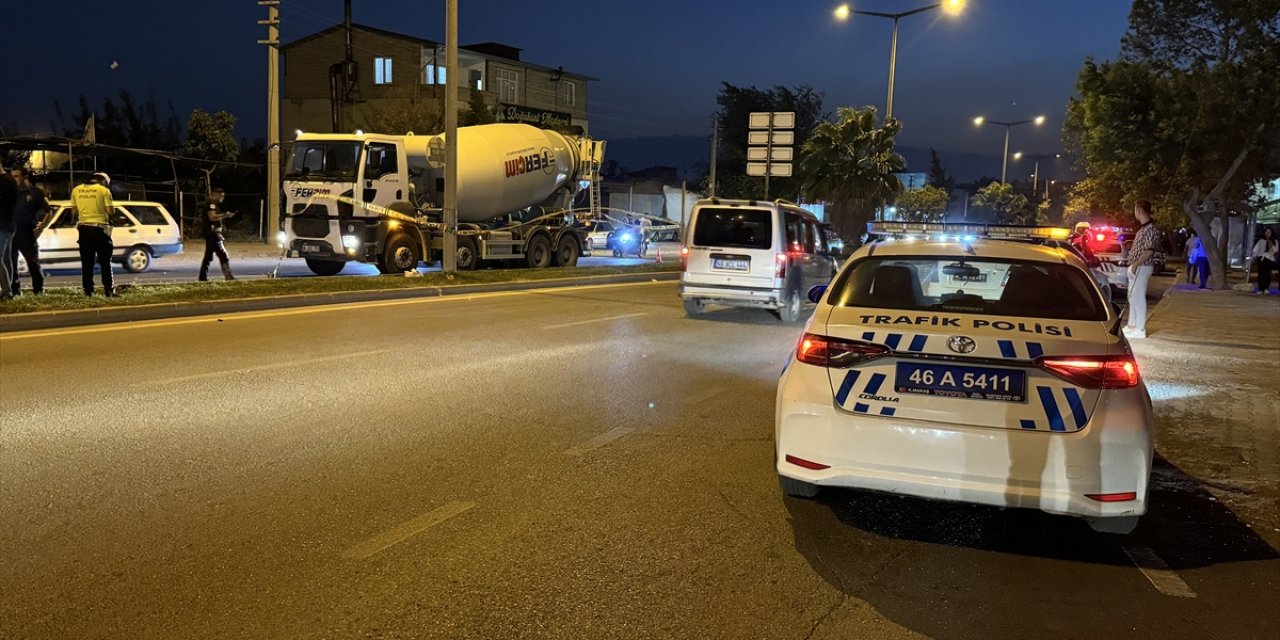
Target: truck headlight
[
  {"x": 281, "y": 238},
  {"x": 350, "y": 242}
]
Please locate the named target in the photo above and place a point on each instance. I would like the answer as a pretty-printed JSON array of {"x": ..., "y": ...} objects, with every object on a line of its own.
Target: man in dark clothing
[
  {"x": 213, "y": 242},
  {"x": 30, "y": 216},
  {"x": 8, "y": 198}
]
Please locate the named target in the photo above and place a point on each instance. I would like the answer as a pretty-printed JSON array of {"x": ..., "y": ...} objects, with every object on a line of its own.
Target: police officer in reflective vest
[
  {"x": 213, "y": 241},
  {"x": 93, "y": 205}
]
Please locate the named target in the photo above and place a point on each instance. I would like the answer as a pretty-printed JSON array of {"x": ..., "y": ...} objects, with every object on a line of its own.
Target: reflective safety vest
[{"x": 93, "y": 203}]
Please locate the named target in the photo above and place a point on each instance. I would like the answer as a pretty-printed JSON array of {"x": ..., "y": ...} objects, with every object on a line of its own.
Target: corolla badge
[{"x": 961, "y": 344}]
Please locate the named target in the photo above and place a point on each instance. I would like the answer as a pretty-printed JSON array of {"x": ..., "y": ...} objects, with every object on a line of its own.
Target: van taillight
[
  {"x": 825, "y": 351},
  {"x": 684, "y": 258},
  {"x": 1094, "y": 372},
  {"x": 780, "y": 262}
]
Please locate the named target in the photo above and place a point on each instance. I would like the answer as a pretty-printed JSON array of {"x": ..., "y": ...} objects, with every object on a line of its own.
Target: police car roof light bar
[{"x": 993, "y": 231}]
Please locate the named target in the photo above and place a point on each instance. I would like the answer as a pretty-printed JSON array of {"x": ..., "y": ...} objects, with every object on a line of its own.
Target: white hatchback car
[
  {"x": 140, "y": 232},
  {"x": 987, "y": 372}
]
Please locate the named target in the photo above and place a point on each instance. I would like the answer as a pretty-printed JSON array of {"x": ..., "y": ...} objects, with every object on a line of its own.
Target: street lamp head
[
  {"x": 1057, "y": 155},
  {"x": 977, "y": 122},
  {"x": 953, "y": 7},
  {"x": 1039, "y": 120},
  {"x": 1017, "y": 156},
  {"x": 842, "y": 12}
]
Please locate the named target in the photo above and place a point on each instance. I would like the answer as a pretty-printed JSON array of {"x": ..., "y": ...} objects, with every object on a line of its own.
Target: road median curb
[{"x": 108, "y": 315}]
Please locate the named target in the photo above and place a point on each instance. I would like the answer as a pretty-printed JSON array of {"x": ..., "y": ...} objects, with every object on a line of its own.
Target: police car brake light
[
  {"x": 825, "y": 351},
  {"x": 807, "y": 464},
  {"x": 1094, "y": 372},
  {"x": 1113, "y": 497}
]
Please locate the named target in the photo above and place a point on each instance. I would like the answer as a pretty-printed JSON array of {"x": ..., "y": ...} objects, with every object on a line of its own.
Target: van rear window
[
  {"x": 733, "y": 227},
  {"x": 971, "y": 285}
]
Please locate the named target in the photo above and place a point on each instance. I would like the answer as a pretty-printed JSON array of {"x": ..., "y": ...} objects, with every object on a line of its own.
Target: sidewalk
[{"x": 1212, "y": 364}]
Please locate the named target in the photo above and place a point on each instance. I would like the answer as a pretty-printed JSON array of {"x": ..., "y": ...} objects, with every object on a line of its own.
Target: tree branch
[{"x": 1235, "y": 165}]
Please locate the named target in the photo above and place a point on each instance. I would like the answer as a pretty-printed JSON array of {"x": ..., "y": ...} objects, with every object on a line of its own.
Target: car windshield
[
  {"x": 970, "y": 285},
  {"x": 333, "y": 160},
  {"x": 734, "y": 228}
]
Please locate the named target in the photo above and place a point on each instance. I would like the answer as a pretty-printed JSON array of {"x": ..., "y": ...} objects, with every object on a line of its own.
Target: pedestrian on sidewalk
[
  {"x": 1140, "y": 268},
  {"x": 1264, "y": 254},
  {"x": 92, "y": 205},
  {"x": 8, "y": 201},
  {"x": 214, "y": 244},
  {"x": 1197, "y": 261},
  {"x": 30, "y": 215}
]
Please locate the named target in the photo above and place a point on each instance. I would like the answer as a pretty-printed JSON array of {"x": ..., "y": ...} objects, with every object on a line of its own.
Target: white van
[
  {"x": 140, "y": 231},
  {"x": 753, "y": 254}
]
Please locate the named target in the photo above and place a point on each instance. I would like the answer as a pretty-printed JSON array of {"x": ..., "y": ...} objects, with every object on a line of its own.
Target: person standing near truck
[
  {"x": 30, "y": 216},
  {"x": 214, "y": 244}
]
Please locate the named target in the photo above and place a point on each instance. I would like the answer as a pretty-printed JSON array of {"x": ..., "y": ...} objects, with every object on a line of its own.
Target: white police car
[{"x": 971, "y": 370}]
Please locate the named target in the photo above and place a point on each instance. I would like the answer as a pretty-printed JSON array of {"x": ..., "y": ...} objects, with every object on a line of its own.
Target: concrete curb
[{"x": 107, "y": 315}]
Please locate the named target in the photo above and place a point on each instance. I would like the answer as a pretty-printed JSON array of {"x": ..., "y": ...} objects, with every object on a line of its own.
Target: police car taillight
[
  {"x": 825, "y": 351},
  {"x": 1094, "y": 372}
]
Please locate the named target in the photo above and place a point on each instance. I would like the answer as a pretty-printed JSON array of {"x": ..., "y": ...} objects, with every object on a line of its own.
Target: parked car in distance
[{"x": 140, "y": 231}]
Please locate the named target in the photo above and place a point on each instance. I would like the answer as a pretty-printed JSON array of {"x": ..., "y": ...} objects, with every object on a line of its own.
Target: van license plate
[
  {"x": 731, "y": 265},
  {"x": 975, "y": 383}
]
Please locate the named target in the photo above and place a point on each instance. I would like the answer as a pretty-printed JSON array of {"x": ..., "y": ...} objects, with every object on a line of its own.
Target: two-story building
[{"x": 393, "y": 73}]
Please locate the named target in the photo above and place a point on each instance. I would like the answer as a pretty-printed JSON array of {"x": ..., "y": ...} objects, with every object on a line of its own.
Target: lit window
[
  {"x": 432, "y": 74},
  {"x": 568, "y": 93},
  {"x": 508, "y": 82},
  {"x": 382, "y": 70}
]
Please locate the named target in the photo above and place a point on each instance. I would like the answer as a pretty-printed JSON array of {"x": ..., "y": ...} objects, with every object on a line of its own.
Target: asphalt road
[
  {"x": 581, "y": 463},
  {"x": 256, "y": 261}
]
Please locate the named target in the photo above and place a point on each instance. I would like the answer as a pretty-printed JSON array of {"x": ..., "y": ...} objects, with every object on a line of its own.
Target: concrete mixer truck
[{"x": 378, "y": 198}]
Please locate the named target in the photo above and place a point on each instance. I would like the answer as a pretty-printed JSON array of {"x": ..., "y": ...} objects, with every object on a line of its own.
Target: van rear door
[{"x": 731, "y": 245}]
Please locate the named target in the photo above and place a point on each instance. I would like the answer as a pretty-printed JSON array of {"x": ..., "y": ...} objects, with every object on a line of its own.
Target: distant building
[{"x": 393, "y": 71}]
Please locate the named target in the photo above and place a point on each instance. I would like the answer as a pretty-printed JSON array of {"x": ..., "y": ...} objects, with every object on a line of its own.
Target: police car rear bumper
[{"x": 1052, "y": 472}]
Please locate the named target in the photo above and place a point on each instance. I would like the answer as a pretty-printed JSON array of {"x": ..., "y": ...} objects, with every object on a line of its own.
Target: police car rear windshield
[
  {"x": 733, "y": 227},
  {"x": 971, "y": 285}
]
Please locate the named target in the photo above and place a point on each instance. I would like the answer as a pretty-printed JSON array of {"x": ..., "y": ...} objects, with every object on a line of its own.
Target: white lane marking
[
  {"x": 1164, "y": 579},
  {"x": 593, "y": 320},
  {"x": 269, "y": 367},
  {"x": 406, "y": 530},
  {"x": 598, "y": 441},
  {"x": 295, "y": 311}
]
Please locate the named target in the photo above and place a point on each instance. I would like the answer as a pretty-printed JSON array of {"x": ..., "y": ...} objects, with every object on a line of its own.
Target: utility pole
[
  {"x": 715, "y": 151},
  {"x": 449, "y": 262},
  {"x": 273, "y": 112}
]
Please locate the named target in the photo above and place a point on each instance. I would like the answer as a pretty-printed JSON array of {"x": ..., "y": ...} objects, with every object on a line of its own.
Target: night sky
[{"x": 660, "y": 62}]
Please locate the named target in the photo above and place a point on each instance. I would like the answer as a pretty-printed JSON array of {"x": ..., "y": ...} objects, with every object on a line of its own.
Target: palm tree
[{"x": 849, "y": 163}]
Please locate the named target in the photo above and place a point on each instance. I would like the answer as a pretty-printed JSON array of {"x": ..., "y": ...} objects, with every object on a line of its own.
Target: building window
[
  {"x": 568, "y": 93},
  {"x": 475, "y": 79},
  {"x": 432, "y": 74},
  {"x": 382, "y": 70},
  {"x": 508, "y": 81}
]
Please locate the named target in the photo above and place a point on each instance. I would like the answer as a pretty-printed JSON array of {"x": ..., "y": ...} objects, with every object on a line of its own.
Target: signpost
[{"x": 770, "y": 140}]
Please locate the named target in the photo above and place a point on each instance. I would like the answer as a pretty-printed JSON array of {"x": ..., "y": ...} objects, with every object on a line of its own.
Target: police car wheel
[
  {"x": 1113, "y": 526},
  {"x": 798, "y": 488},
  {"x": 694, "y": 306},
  {"x": 137, "y": 260}
]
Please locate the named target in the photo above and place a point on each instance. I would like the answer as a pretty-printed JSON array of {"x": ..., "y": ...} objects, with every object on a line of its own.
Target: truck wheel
[
  {"x": 567, "y": 252},
  {"x": 467, "y": 257},
  {"x": 538, "y": 253},
  {"x": 325, "y": 267},
  {"x": 401, "y": 254}
]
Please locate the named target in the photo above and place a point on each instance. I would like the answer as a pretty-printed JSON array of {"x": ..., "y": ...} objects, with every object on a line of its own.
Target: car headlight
[{"x": 350, "y": 242}]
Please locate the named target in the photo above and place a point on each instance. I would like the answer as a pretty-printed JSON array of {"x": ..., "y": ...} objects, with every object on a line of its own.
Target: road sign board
[
  {"x": 779, "y": 137},
  {"x": 780, "y": 154},
  {"x": 781, "y": 119},
  {"x": 774, "y": 169}
]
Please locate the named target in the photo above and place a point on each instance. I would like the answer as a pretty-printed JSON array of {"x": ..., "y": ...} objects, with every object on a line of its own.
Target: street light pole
[
  {"x": 1004, "y": 162},
  {"x": 843, "y": 11},
  {"x": 273, "y": 114},
  {"x": 449, "y": 261}
]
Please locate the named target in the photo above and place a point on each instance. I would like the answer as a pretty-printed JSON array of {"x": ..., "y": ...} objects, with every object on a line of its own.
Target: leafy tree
[
  {"x": 212, "y": 137},
  {"x": 923, "y": 205},
  {"x": 850, "y": 163},
  {"x": 477, "y": 112},
  {"x": 736, "y": 105},
  {"x": 403, "y": 113},
  {"x": 1004, "y": 205},
  {"x": 939, "y": 176},
  {"x": 1188, "y": 118}
]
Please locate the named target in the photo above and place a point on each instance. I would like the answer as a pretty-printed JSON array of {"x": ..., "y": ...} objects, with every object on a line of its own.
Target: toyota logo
[{"x": 961, "y": 344}]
